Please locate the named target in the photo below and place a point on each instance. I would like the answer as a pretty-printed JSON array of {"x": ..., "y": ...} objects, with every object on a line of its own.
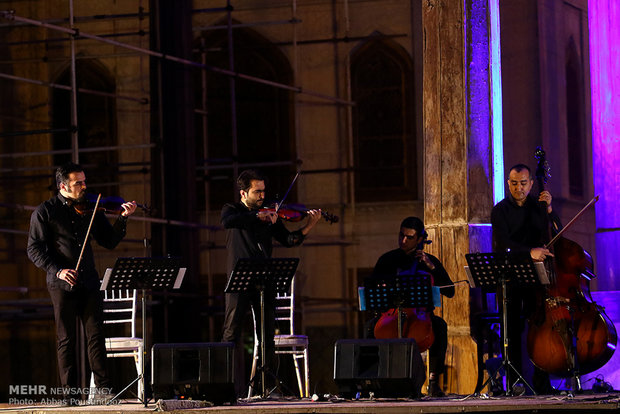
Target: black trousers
[
  {"x": 237, "y": 307},
  {"x": 87, "y": 307},
  {"x": 437, "y": 351},
  {"x": 520, "y": 306}
]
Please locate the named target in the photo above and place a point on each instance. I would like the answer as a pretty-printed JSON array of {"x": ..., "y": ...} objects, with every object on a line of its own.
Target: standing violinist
[
  {"x": 521, "y": 223},
  {"x": 249, "y": 234},
  {"x": 57, "y": 233},
  {"x": 410, "y": 255}
]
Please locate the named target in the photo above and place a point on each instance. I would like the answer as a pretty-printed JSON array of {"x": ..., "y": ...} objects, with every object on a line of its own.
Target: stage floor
[{"x": 583, "y": 403}]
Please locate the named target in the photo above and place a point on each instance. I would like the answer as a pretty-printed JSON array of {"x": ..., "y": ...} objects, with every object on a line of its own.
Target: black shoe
[{"x": 434, "y": 390}]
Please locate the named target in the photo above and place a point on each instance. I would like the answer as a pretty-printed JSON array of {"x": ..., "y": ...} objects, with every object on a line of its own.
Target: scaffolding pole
[
  {"x": 68, "y": 88},
  {"x": 75, "y": 155},
  {"x": 10, "y": 15},
  {"x": 83, "y": 150}
]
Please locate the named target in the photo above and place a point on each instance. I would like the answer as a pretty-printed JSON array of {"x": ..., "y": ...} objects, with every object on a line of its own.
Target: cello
[
  {"x": 569, "y": 334},
  {"x": 414, "y": 322}
]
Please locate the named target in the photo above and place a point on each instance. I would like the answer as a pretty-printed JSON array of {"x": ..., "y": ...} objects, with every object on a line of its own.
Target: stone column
[{"x": 457, "y": 145}]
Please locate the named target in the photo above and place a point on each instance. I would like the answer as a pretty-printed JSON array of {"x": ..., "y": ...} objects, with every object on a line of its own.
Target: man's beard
[
  {"x": 255, "y": 205},
  {"x": 81, "y": 198}
]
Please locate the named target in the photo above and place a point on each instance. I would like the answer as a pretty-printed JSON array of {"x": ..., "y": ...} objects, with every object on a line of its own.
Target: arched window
[
  {"x": 263, "y": 113},
  {"x": 383, "y": 122},
  {"x": 96, "y": 125},
  {"x": 575, "y": 122}
]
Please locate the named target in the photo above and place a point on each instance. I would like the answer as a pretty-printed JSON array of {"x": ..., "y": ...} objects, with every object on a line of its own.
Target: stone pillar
[{"x": 458, "y": 176}]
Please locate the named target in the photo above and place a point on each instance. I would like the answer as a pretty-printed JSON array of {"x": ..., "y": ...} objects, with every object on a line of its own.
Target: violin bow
[
  {"x": 77, "y": 266},
  {"x": 287, "y": 191},
  {"x": 570, "y": 223}
]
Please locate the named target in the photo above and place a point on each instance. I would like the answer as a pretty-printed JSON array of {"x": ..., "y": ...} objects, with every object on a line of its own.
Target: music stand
[
  {"x": 493, "y": 269},
  {"x": 155, "y": 273},
  {"x": 401, "y": 291},
  {"x": 260, "y": 274}
]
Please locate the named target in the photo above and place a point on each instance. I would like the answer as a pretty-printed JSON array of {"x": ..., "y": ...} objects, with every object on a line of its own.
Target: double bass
[
  {"x": 415, "y": 322},
  {"x": 569, "y": 334}
]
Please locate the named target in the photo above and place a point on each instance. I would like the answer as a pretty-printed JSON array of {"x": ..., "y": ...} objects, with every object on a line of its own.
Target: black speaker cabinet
[
  {"x": 386, "y": 367},
  {"x": 201, "y": 371}
]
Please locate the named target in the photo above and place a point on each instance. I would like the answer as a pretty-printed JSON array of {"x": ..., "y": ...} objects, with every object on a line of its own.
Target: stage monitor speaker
[
  {"x": 201, "y": 371},
  {"x": 386, "y": 367}
]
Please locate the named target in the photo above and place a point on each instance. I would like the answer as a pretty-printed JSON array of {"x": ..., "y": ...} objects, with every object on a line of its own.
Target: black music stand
[
  {"x": 154, "y": 273},
  {"x": 261, "y": 274},
  {"x": 493, "y": 269},
  {"x": 401, "y": 291}
]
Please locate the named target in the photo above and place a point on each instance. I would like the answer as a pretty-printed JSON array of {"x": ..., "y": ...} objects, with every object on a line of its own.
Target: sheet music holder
[
  {"x": 401, "y": 291},
  {"x": 501, "y": 269},
  {"x": 153, "y": 273},
  {"x": 260, "y": 274},
  {"x": 484, "y": 268},
  {"x": 250, "y": 274}
]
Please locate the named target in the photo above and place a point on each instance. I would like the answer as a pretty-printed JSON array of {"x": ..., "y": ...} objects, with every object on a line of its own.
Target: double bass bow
[{"x": 569, "y": 334}]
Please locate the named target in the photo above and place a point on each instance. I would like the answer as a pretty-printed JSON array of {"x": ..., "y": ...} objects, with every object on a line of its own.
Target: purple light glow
[
  {"x": 604, "y": 35},
  {"x": 478, "y": 86},
  {"x": 484, "y": 107}
]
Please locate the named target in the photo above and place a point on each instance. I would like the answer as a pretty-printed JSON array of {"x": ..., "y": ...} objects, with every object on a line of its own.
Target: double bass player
[{"x": 521, "y": 225}]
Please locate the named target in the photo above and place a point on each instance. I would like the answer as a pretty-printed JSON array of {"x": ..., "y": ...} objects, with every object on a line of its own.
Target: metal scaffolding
[{"x": 74, "y": 34}]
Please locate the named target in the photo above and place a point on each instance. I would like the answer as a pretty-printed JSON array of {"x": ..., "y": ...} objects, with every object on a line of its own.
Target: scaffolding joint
[{"x": 8, "y": 14}]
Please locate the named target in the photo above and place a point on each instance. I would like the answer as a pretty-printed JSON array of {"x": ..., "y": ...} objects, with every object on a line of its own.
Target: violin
[
  {"x": 297, "y": 212},
  {"x": 108, "y": 205}
]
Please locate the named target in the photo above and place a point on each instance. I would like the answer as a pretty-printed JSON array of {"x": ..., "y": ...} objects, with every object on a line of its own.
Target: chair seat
[
  {"x": 291, "y": 340},
  {"x": 123, "y": 343}
]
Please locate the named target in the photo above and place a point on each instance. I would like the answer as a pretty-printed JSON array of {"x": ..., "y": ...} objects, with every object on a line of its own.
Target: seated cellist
[{"x": 411, "y": 258}]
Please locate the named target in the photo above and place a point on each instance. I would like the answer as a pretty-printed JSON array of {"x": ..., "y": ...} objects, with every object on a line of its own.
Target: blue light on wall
[{"x": 496, "y": 103}]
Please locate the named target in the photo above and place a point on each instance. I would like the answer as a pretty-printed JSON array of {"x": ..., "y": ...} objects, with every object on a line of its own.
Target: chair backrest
[
  {"x": 119, "y": 307},
  {"x": 285, "y": 308}
]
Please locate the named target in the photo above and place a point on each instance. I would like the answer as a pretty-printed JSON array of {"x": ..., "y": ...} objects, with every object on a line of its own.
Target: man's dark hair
[
  {"x": 62, "y": 172},
  {"x": 244, "y": 181},
  {"x": 415, "y": 224},
  {"x": 520, "y": 167}
]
